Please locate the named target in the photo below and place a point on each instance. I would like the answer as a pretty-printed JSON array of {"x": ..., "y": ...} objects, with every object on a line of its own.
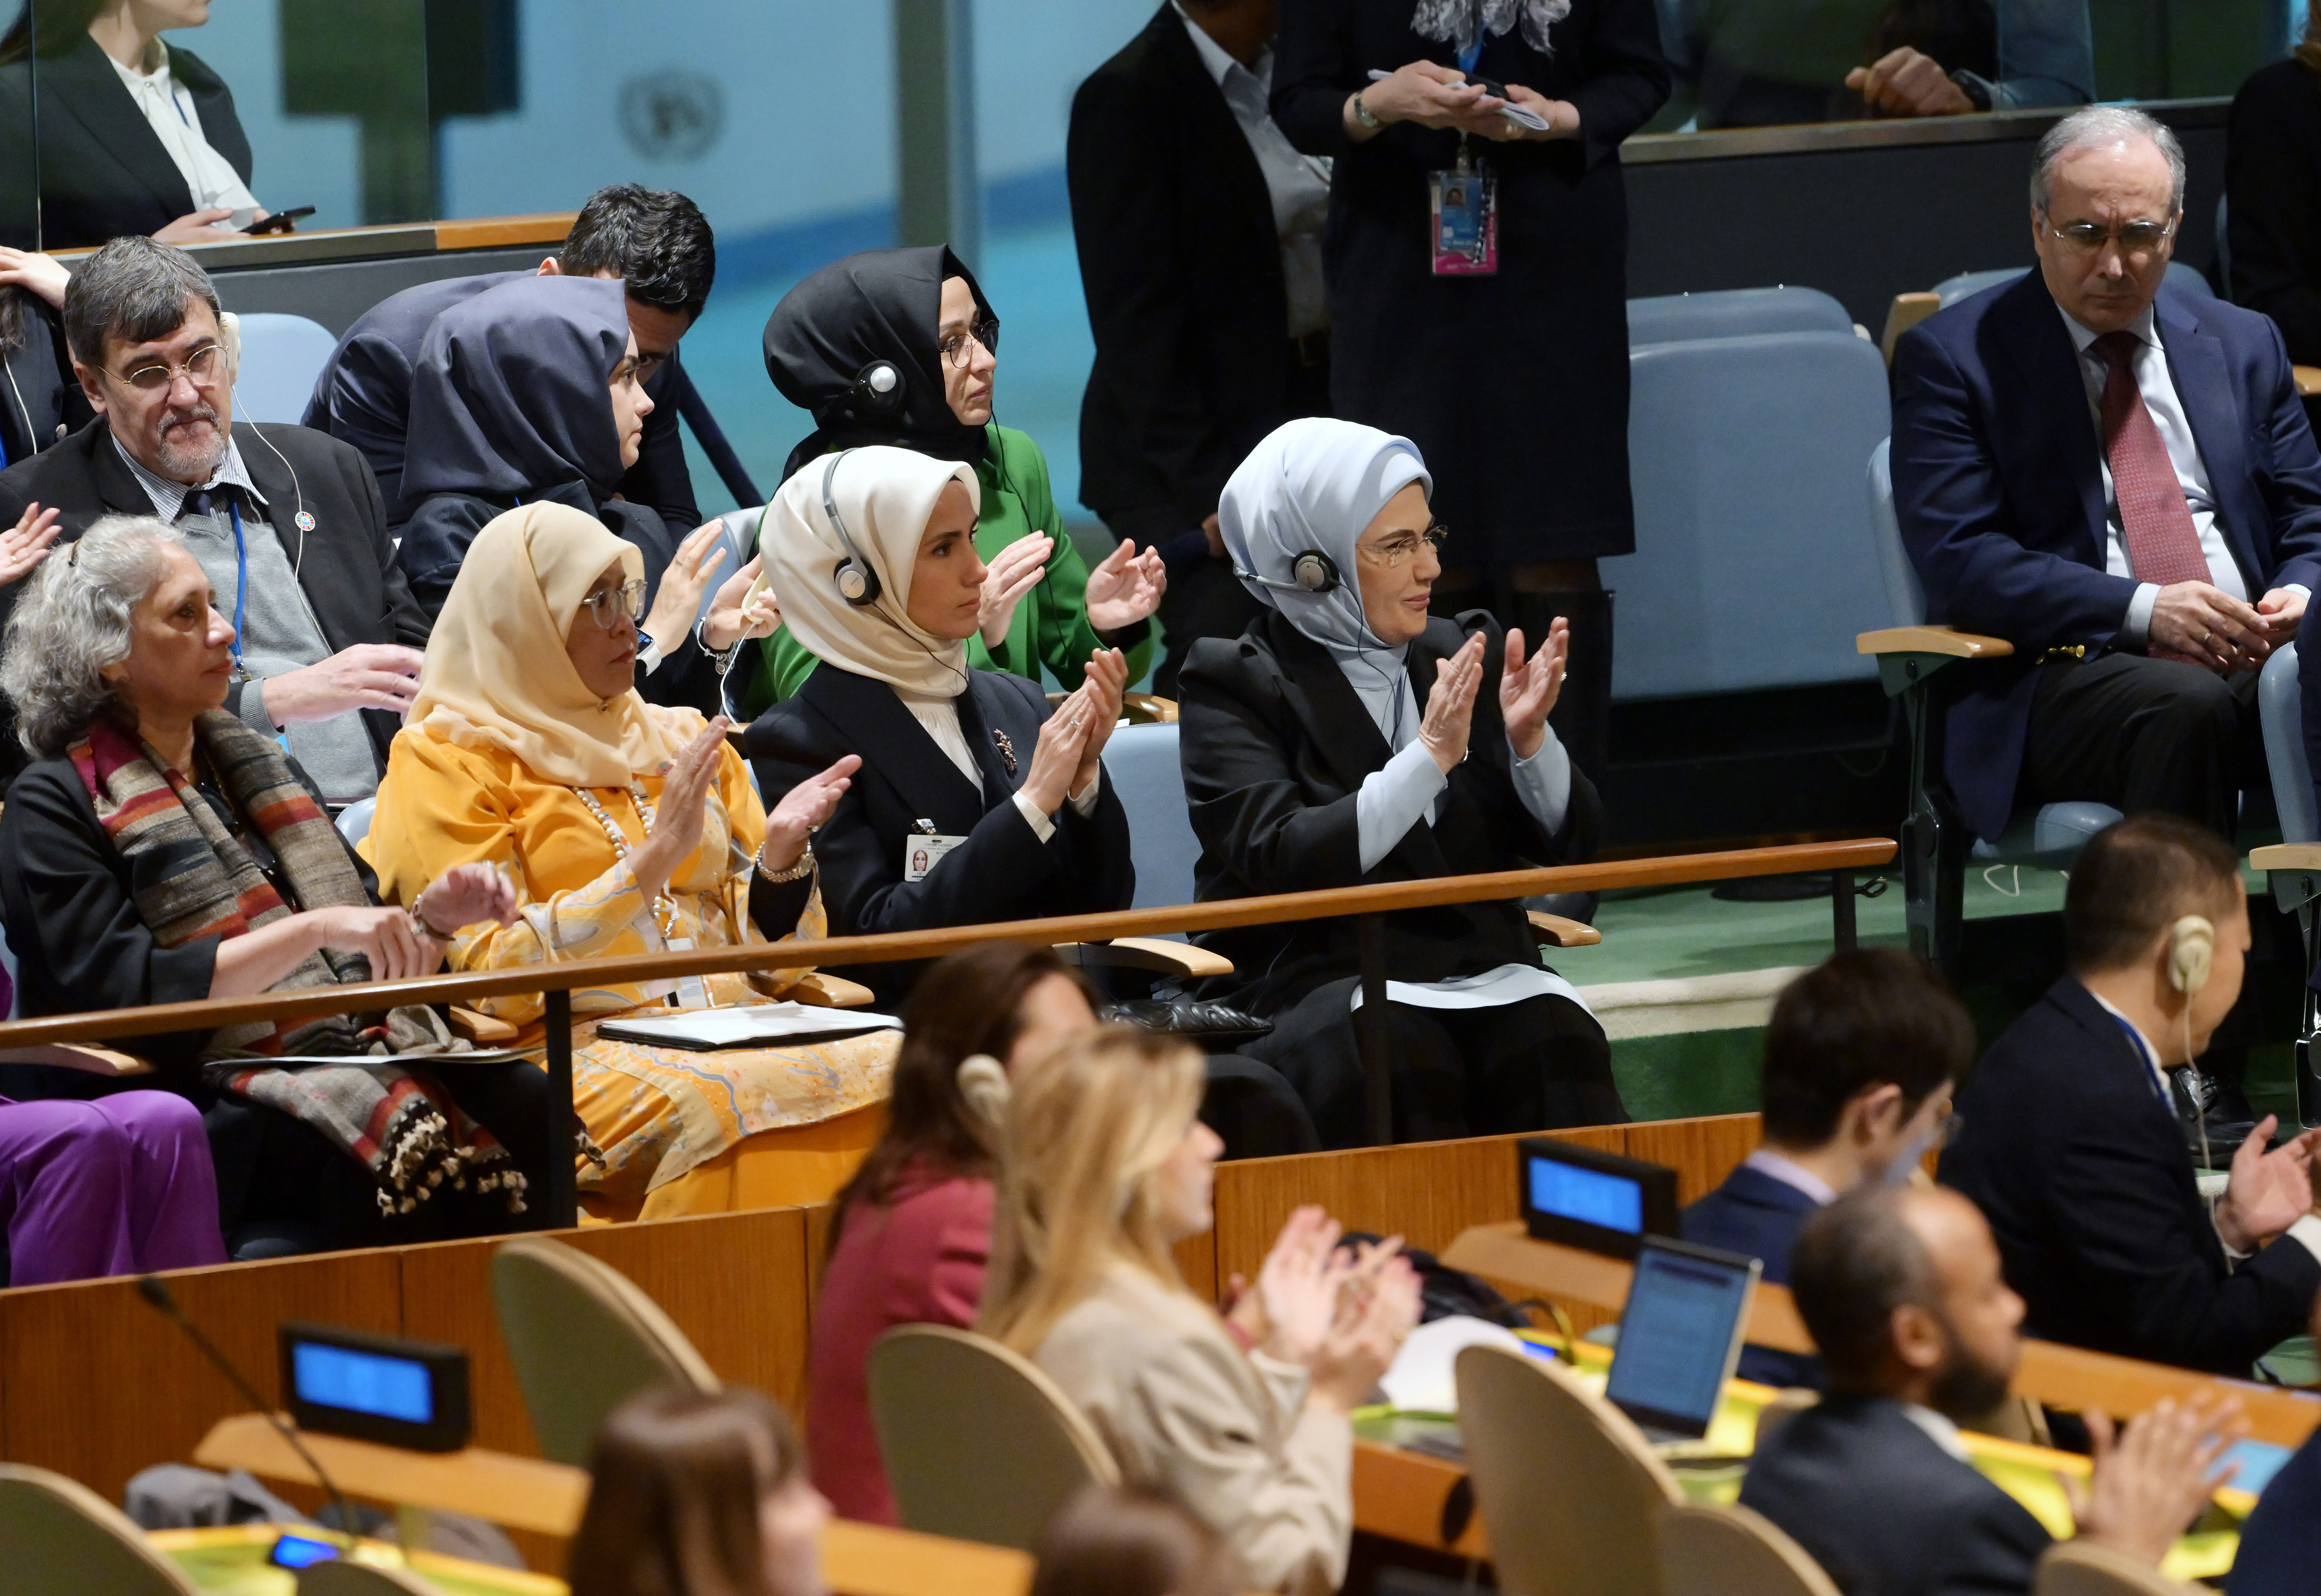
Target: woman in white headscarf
[
  {"x": 628, "y": 828},
  {"x": 1347, "y": 739},
  {"x": 974, "y": 802}
]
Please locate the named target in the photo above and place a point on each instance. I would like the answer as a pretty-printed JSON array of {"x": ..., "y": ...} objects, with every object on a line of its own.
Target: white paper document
[
  {"x": 1425, "y": 1377},
  {"x": 750, "y": 1025}
]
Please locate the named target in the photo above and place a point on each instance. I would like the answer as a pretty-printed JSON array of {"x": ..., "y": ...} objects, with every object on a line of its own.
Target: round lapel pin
[{"x": 305, "y": 520}]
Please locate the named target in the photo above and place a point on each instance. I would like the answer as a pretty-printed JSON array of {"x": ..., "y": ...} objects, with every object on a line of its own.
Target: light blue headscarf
[{"x": 1316, "y": 484}]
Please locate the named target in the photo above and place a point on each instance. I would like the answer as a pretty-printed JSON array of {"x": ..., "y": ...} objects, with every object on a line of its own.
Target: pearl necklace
[{"x": 664, "y": 906}]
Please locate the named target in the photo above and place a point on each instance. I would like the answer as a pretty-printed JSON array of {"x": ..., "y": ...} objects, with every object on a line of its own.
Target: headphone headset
[
  {"x": 984, "y": 1084},
  {"x": 2191, "y": 954},
  {"x": 1312, "y": 571},
  {"x": 878, "y": 388},
  {"x": 857, "y": 584}
]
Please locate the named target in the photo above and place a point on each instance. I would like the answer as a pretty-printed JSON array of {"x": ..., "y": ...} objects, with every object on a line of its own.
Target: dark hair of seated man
[
  {"x": 1131, "y": 1540},
  {"x": 2134, "y": 880},
  {"x": 656, "y": 241},
  {"x": 1861, "y": 1020}
]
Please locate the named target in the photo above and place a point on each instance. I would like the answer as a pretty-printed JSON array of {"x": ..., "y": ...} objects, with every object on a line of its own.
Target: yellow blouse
[{"x": 443, "y": 804}]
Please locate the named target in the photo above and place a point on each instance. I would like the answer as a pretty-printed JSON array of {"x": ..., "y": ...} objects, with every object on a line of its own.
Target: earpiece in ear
[
  {"x": 878, "y": 387},
  {"x": 1314, "y": 571},
  {"x": 984, "y": 1084},
  {"x": 2191, "y": 952}
]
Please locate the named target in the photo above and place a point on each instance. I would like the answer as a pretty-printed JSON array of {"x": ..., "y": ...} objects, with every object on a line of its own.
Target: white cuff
[
  {"x": 2306, "y": 1233},
  {"x": 1041, "y": 826},
  {"x": 1084, "y": 801},
  {"x": 1543, "y": 781},
  {"x": 1393, "y": 798},
  {"x": 2135, "y": 629},
  {"x": 2299, "y": 588},
  {"x": 2231, "y": 1252}
]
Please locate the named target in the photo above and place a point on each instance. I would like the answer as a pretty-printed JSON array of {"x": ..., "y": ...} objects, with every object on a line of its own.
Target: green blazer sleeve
[{"x": 1051, "y": 627}]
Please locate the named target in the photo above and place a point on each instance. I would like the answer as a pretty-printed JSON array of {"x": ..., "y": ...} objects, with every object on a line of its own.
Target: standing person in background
[
  {"x": 2272, "y": 194},
  {"x": 1503, "y": 354},
  {"x": 134, "y": 136},
  {"x": 1199, "y": 228},
  {"x": 655, "y": 240},
  {"x": 898, "y": 346}
]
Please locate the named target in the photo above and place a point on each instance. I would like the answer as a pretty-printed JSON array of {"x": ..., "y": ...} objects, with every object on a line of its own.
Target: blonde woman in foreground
[{"x": 1103, "y": 1167}]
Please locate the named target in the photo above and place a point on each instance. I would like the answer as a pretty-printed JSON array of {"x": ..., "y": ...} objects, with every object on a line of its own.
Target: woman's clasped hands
[
  {"x": 1338, "y": 1313},
  {"x": 1073, "y": 737},
  {"x": 1439, "y": 96}
]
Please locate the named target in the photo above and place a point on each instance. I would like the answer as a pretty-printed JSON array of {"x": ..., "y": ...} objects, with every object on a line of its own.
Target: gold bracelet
[{"x": 796, "y": 873}]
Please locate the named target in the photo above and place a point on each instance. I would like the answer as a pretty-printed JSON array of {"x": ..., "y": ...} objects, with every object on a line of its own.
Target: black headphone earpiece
[
  {"x": 857, "y": 584},
  {"x": 878, "y": 388},
  {"x": 1315, "y": 571}
]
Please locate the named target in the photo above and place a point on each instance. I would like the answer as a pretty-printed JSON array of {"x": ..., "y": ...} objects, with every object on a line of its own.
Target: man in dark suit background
[
  {"x": 2070, "y": 1147},
  {"x": 1861, "y": 1055},
  {"x": 2120, "y": 481},
  {"x": 1199, "y": 230},
  {"x": 326, "y": 624},
  {"x": 656, "y": 241},
  {"x": 1900, "y": 1287}
]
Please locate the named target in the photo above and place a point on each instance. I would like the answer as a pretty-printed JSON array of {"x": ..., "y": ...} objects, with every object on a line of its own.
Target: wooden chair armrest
[
  {"x": 1162, "y": 957},
  {"x": 1142, "y": 709},
  {"x": 2287, "y": 856},
  {"x": 1932, "y": 640},
  {"x": 2308, "y": 378},
  {"x": 482, "y": 1029},
  {"x": 85, "y": 1056},
  {"x": 1905, "y": 312},
  {"x": 1556, "y": 932},
  {"x": 819, "y": 988}
]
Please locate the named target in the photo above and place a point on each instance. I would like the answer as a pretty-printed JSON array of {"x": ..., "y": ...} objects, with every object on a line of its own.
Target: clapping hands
[
  {"x": 1124, "y": 588},
  {"x": 25, "y": 544},
  {"x": 1528, "y": 689}
]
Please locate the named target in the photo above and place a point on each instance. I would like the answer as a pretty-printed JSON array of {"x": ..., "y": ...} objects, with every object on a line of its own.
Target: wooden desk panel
[
  {"x": 519, "y": 1492},
  {"x": 1400, "y": 1494}
]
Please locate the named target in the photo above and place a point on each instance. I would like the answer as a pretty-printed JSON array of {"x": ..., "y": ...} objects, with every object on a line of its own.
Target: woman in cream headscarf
[
  {"x": 973, "y": 803},
  {"x": 628, "y": 828},
  {"x": 1309, "y": 762}
]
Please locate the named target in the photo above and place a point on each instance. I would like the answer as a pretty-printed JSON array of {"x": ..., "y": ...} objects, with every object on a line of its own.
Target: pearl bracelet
[{"x": 796, "y": 873}]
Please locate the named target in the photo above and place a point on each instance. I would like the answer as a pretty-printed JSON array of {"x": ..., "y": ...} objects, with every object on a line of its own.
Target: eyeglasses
[
  {"x": 607, "y": 605},
  {"x": 1403, "y": 547},
  {"x": 203, "y": 367},
  {"x": 2134, "y": 238},
  {"x": 985, "y": 333}
]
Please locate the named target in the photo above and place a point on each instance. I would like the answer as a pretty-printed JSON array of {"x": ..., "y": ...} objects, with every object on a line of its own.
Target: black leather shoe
[{"x": 2229, "y": 1118}]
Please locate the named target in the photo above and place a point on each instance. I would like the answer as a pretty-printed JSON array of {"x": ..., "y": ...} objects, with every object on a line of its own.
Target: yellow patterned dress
[{"x": 682, "y": 1132}]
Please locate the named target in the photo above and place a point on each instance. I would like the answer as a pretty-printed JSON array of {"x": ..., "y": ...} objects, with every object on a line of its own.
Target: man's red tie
[{"x": 2163, "y": 544}]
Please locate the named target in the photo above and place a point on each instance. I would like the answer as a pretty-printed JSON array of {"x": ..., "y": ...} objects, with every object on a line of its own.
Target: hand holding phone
[{"x": 280, "y": 221}]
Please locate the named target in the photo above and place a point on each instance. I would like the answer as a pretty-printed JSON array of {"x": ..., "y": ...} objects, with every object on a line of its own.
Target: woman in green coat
[{"x": 898, "y": 346}]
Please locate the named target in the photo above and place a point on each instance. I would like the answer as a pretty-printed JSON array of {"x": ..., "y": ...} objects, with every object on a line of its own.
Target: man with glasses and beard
[
  {"x": 1901, "y": 1288},
  {"x": 284, "y": 522}
]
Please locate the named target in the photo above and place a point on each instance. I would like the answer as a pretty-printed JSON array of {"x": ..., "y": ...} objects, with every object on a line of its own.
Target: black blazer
[
  {"x": 103, "y": 170},
  {"x": 2272, "y": 187},
  {"x": 41, "y": 400},
  {"x": 2280, "y": 1544},
  {"x": 1885, "y": 1510},
  {"x": 1275, "y": 745},
  {"x": 1003, "y": 872},
  {"x": 1999, "y": 486},
  {"x": 1182, "y": 268},
  {"x": 1758, "y": 1216},
  {"x": 363, "y": 398},
  {"x": 2082, "y": 1173},
  {"x": 348, "y": 574}
]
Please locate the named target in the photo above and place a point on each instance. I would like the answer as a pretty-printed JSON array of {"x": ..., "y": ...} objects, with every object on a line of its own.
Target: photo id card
[
  {"x": 923, "y": 853},
  {"x": 1466, "y": 219}
]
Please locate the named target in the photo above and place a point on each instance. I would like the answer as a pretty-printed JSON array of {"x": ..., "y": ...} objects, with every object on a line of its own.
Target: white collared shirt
[
  {"x": 170, "y": 496},
  {"x": 1940, "y": 1430},
  {"x": 1789, "y": 1172},
  {"x": 938, "y": 718},
  {"x": 1297, "y": 183},
  {"x": 169, "y": 111},
  {"x": 2160, "y": 398}
]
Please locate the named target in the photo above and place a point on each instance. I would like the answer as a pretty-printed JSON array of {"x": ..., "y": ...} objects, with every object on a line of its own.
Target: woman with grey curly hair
[{"x": 160, "y": 851}]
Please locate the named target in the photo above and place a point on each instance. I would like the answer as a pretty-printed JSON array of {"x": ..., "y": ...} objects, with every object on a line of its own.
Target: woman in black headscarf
[
  {"x": 900, "y": 347},
  {"x": 529, "y": 392}
]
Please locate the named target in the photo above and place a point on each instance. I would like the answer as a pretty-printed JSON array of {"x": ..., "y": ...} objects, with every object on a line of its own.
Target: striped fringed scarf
[{"x": 198, "y": 880}]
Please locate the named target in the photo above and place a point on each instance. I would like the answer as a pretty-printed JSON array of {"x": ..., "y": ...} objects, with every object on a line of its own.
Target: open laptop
[{"x": 1681, "y": 1334}]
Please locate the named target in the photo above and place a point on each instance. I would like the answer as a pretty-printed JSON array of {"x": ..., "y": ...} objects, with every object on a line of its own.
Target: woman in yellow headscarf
[{"x": 628, "y": 829}]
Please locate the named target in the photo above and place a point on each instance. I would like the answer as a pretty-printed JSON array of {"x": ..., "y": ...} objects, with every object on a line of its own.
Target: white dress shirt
[
  {"x": 938, "y": 718},
  {"x": 1298, "y": 183},
  {"x": 1791, "y": 1173},
  {"x": 1940, "y": 1430},
  {"x": 2160, "y": 398},
  {"x": 2306, "y": 1232},
  {"x": 169, "y": 111}
]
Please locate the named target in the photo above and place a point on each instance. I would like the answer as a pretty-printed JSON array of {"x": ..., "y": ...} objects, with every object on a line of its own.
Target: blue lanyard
[
  {"x": 241, "y": 578},
  {"x": 2135, "y": 1043},
  {"x": 1468, "y": 58}
]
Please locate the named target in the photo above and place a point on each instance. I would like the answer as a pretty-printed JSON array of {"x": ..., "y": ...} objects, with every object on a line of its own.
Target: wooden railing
[{"x": 1365, "y": 905}]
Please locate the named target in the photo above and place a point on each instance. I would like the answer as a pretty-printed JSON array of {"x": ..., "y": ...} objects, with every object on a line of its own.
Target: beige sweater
[{"x": 1227, "y": 1433}]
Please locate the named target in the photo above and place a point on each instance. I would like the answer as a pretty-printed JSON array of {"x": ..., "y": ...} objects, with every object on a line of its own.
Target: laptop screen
[{"x": 1679, "y": 1335}]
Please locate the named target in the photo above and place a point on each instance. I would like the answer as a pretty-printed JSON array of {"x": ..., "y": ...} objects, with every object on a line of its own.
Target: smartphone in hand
[{"x": 280, "y": 221}]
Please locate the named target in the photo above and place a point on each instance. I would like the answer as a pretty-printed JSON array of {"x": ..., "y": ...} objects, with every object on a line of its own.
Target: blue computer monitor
[{"x": 1598, "y": 1201}]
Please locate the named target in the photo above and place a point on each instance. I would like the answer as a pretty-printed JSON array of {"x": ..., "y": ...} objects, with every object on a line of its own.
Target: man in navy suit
[
  {"x": 1861, "y": 1058},
  {"x": 2120, "y": 481},
  {"x": 1902, "y": 1292}
]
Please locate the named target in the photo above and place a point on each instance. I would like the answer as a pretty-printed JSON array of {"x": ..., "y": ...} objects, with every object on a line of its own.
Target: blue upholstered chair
[
  {"x": 1935, "y": 843},
  {"x": 282, "y": 358},
  {"x": 2292, "y": 867},
  {"x": 1733, "y": 313}
]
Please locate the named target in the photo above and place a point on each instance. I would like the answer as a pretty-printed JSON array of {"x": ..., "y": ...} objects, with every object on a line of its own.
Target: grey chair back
[
  {"x": 57, "y": 1534},
  {"x": 1905, "y": 600},
  {"x": 2182, "y": 277},
  {"x": 1752, "y": 538},
  {"x": 282, "y": 358},
  {"x": 2224, "y": 247},
  {"x": 978, "y": 1444},
  {"x": 354, "y": 820},
  {"x": 1712, "y": 1550},
  {"x": 2278, "y": 712},
  {"x": 2090, "y": 1568},
  {"x": 1733, "y": 313},
  {"x": 1141, "y": 763}
]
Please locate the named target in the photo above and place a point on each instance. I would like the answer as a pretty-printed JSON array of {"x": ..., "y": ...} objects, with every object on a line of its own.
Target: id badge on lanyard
[{"x": 1463, "y": 205}]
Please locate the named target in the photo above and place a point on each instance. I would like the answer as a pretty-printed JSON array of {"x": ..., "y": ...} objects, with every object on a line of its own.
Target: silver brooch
[{"x": 1006, "y": 749}]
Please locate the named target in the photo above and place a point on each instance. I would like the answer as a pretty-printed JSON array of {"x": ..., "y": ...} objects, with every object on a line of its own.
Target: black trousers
[
  {"x": 1253, "y": 1110},
  {"x": 2140, "y": 733},
  {"x": 1538, "y": 1065}
]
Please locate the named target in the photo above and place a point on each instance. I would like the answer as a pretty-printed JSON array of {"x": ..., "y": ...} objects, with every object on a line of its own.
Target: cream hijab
[
  {"x": 497, "y": 675},
  {"x": 885, "y": 496}
]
